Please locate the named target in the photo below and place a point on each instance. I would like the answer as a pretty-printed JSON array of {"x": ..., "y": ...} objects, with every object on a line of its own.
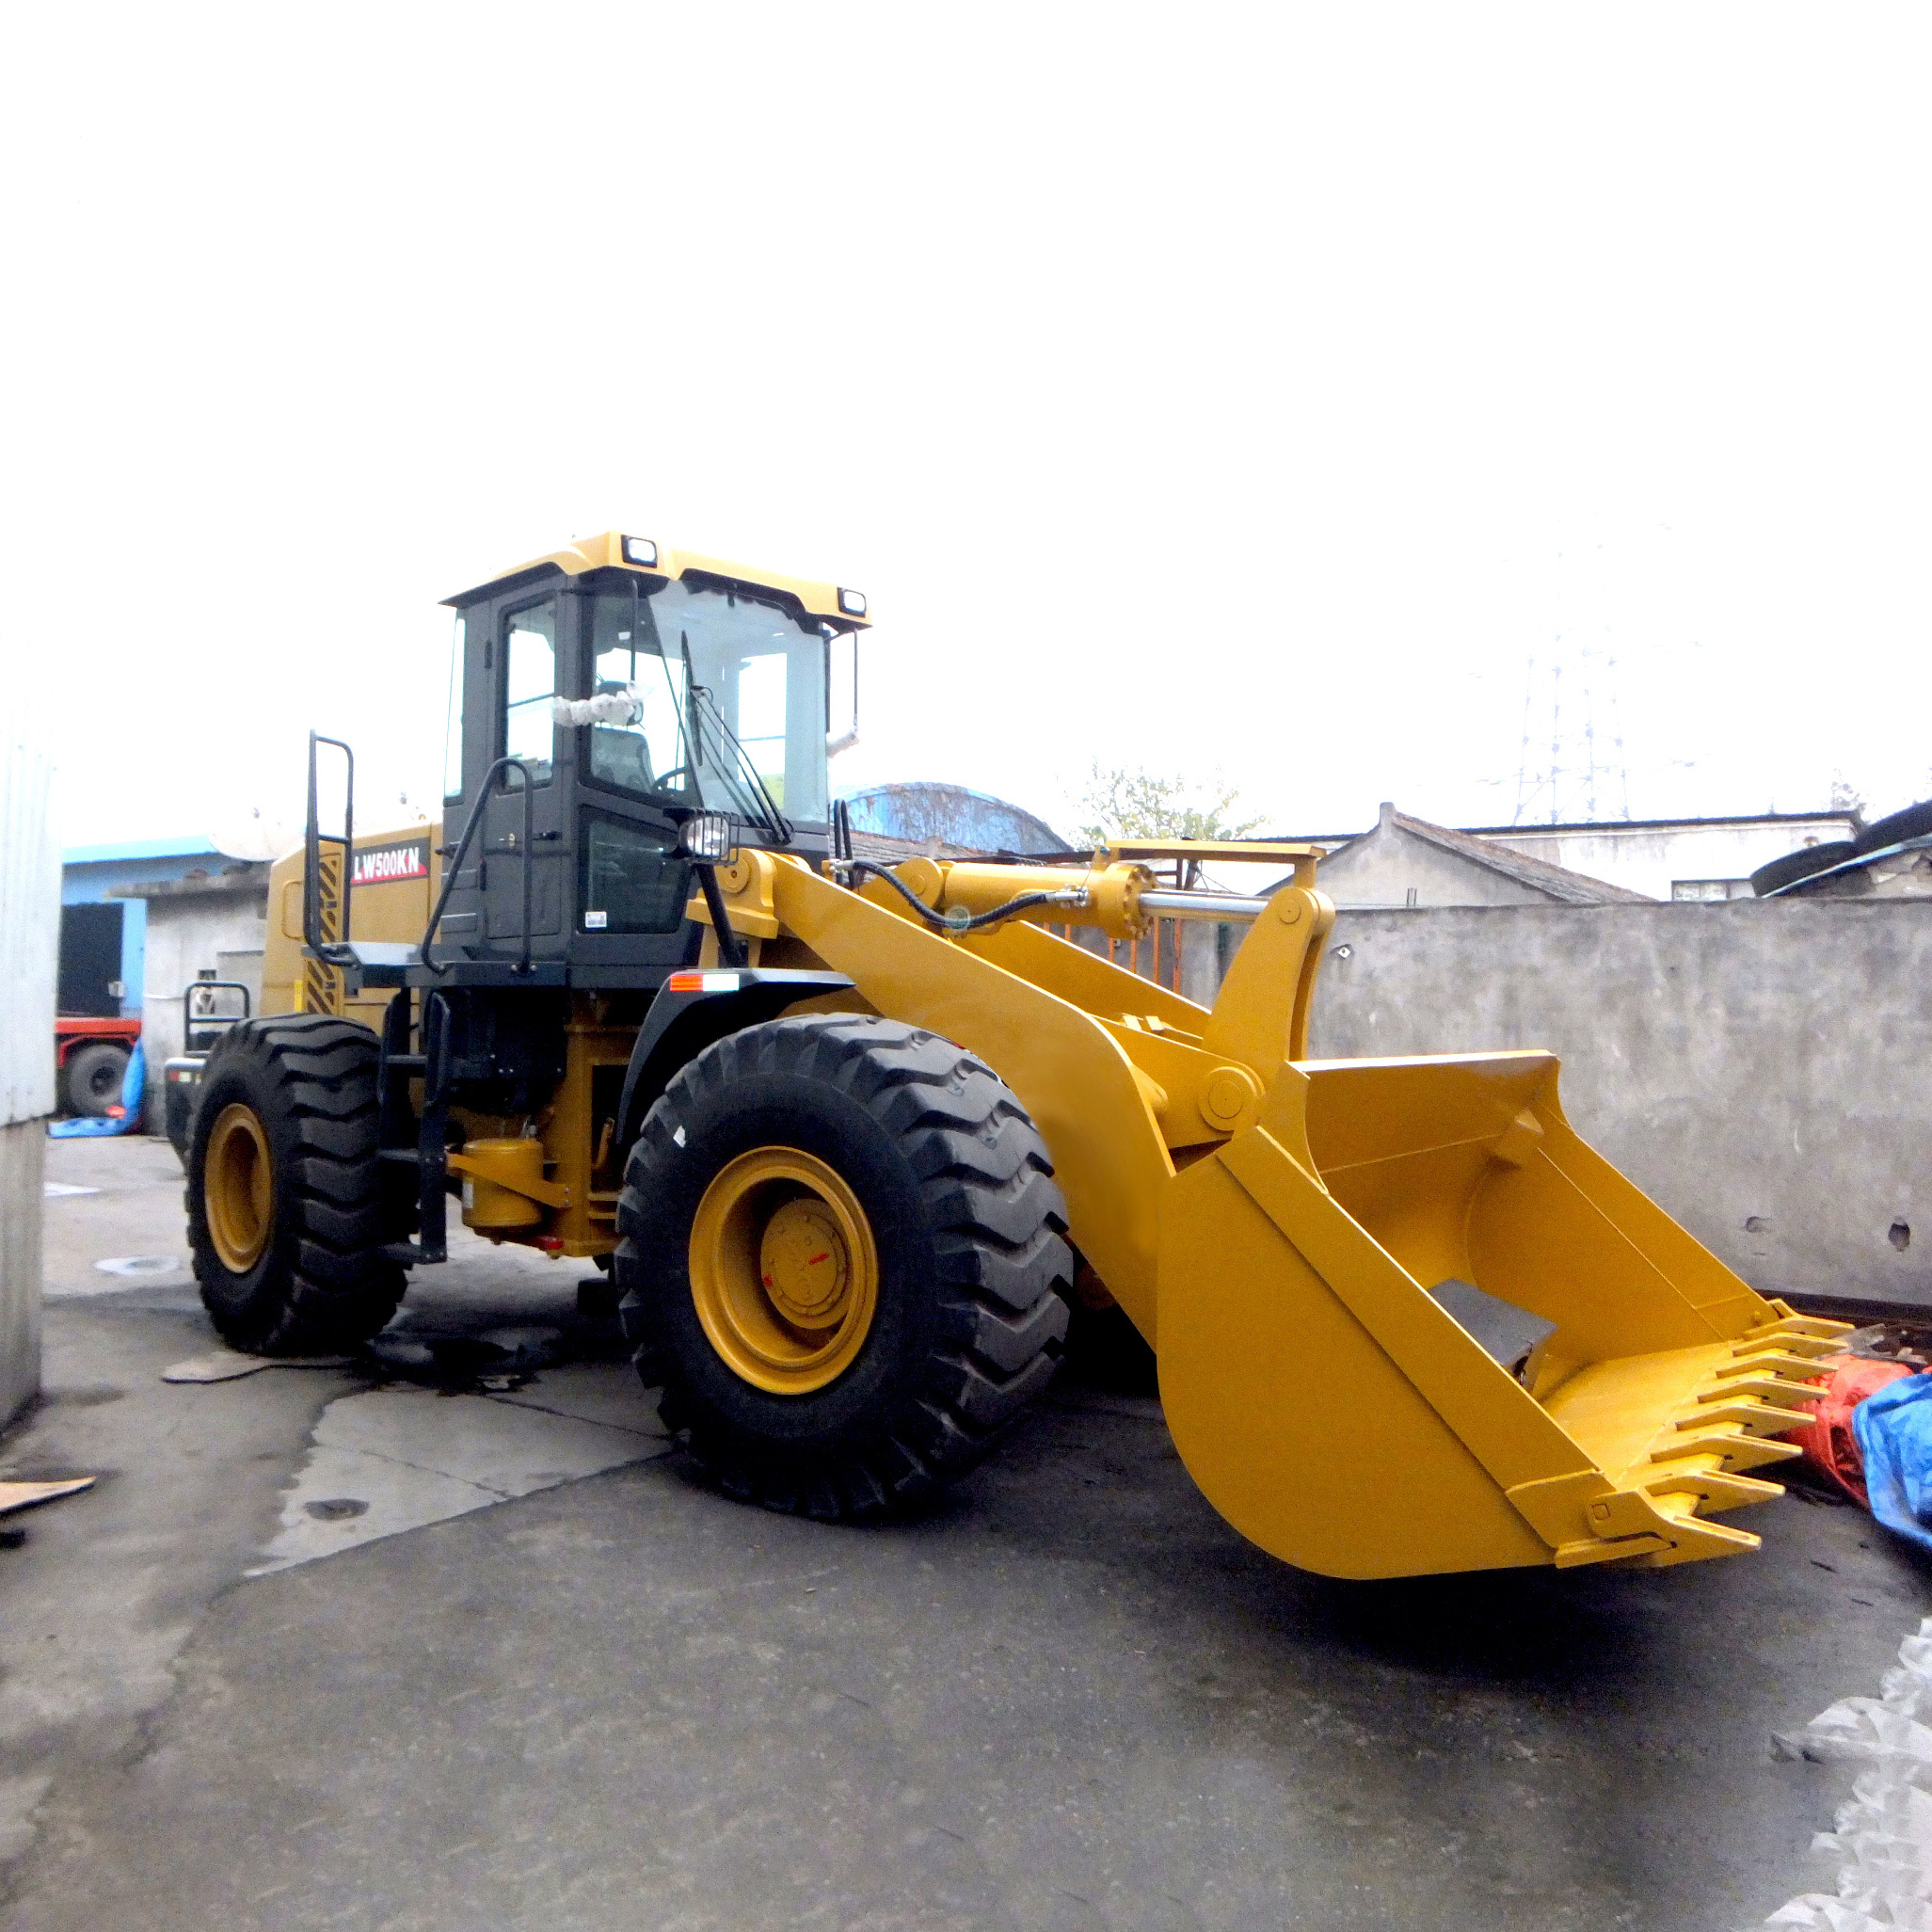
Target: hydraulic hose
[{"x": 960, "y": 920}]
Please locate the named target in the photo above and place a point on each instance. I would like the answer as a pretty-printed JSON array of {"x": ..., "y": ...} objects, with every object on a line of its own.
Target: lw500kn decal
[{"x": 380, "y": 865}]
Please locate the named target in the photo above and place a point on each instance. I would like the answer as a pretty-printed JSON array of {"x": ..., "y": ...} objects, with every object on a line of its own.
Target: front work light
[
  {"x": 641, "y": 549},
  {"x": 853, "y": 603},
  {"x": 708, "y": 837}
]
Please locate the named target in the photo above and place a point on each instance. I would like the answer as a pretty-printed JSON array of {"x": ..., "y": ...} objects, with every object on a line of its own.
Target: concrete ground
[{"x": 321, "y": 1653}]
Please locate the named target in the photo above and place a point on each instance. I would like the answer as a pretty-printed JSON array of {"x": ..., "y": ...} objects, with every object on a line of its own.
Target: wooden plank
[{"x": 24, "y": 1495}]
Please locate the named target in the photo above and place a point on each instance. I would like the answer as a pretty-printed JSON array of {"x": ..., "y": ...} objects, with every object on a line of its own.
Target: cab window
[{"x": 530, "y": 682}]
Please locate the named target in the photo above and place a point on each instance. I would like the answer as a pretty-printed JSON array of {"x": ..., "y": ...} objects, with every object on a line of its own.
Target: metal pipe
[{"x": 1221, "y": 906}]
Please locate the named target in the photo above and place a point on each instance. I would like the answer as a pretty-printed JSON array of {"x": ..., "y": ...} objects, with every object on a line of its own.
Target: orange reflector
[{"x": 702, "y": 983}]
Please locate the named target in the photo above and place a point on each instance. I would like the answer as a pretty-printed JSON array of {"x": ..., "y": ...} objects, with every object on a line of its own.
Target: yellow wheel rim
[
  {"x": 784, "y": 1270},
  {"x": 238, "y": 1186}
]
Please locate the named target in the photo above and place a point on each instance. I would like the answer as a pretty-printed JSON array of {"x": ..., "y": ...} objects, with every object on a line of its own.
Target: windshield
[{"x": 694, "y": 657}]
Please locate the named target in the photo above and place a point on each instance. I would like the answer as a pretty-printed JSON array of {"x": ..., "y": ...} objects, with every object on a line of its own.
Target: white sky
[{"x": 1252, "y": 390}]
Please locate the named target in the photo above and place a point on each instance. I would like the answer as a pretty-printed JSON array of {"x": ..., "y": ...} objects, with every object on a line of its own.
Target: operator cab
[{"x": 634, "y": 688}]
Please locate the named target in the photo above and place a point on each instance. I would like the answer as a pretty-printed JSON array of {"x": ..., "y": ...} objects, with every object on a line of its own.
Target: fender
[{"x": 692, "y": 1009}]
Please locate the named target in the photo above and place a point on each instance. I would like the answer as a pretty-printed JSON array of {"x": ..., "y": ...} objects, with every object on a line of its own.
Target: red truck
[{"x": 90, "y": 1055}]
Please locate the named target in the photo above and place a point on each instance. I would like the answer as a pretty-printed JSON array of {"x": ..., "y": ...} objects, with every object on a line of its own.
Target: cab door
[{"x": 529, "y": 650}]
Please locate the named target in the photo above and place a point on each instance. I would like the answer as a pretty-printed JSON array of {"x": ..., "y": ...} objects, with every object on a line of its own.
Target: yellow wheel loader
[{"x": 843, "y": 1131}]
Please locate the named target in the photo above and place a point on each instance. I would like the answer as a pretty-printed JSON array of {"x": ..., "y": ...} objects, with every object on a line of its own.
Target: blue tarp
[
  {"x": 1894, "y": 1432},
  {"x": 131, "y": 1084}
]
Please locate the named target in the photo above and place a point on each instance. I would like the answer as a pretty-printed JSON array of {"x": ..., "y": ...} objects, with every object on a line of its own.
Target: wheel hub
[
  {"x": 783, "y": 1272},
  {"x": 804, "y": 1264},
  {"x": 238, "y": 1186}
]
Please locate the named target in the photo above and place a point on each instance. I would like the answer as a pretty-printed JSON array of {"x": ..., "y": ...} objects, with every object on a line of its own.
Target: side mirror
[{"x": 708, "y": 838}]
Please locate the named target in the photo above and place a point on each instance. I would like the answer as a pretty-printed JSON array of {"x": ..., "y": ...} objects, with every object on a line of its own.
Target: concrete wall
[
  {"x": 29, "y": 956},
  {"x": 23, "y": 1169},
  {"x": 1763, "y": 1069},
  {"x": 184, "y": 935}
]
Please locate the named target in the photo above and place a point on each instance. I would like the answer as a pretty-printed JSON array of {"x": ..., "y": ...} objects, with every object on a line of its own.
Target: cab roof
[{"x": 606, "y": 551}]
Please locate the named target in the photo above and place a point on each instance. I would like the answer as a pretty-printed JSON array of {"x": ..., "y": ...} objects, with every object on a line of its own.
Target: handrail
[
  {"x": 205, "y": 1020},
  {"x": 333, "y": 953},
  {"x": 192, "y": 1022},
  {"x": 455, "y": 864}
]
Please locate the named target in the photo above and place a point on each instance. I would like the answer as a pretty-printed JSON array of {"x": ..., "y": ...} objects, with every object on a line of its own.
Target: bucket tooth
[
  {"x": 1772, "y": 1391},
  {"x": 1715, "y": 1417},
  {"x": 1754, "y": 1418},
  {"x": 1739, "y": 1451},
  {"x": 1698, "y": 1538},
  {"x": 1762, "y": 1391},
  {"x": 1765, "y": 1392},
  {"x": 1797, "y": 1330},
  {"x": 1779, "y": 1362},
  {"x": 1810, "y": 1348},
  {"x": 1710, "y": 1489},
  {"x": 1639, "y": 1529}
]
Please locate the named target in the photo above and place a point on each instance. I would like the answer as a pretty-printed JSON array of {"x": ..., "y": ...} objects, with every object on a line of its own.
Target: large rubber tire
[
  {"x": 1914, "y": 821},
  {"x": 92, "y": 1077},
  {"x": 1801, "y": 864},
  {"x": 320, "y": 1282},
  {"x": 968, "y": 1226}
]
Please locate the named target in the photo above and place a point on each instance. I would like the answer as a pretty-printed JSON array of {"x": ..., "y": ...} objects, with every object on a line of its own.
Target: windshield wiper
[{"x": 734, "y": 769}]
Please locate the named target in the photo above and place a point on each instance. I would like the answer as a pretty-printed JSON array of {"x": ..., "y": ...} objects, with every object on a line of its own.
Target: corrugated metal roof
[{"x": 29, "y": 933}]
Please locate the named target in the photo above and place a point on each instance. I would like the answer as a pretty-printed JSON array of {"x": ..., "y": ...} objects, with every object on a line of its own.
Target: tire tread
[
  {"x": 997, "y": 1223},
  {"x": 329, "y": 1286}
]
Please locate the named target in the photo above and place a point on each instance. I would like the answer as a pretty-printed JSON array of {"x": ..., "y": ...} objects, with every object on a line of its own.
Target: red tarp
[{"x": 1828, "y": 1440}]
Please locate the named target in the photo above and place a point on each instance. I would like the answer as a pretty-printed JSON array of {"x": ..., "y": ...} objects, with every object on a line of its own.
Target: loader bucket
[{"x": 1335, "y": 1409}]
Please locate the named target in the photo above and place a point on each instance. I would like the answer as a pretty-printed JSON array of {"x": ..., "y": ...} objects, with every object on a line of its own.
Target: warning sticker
[{"x": 380, "y": 865}]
